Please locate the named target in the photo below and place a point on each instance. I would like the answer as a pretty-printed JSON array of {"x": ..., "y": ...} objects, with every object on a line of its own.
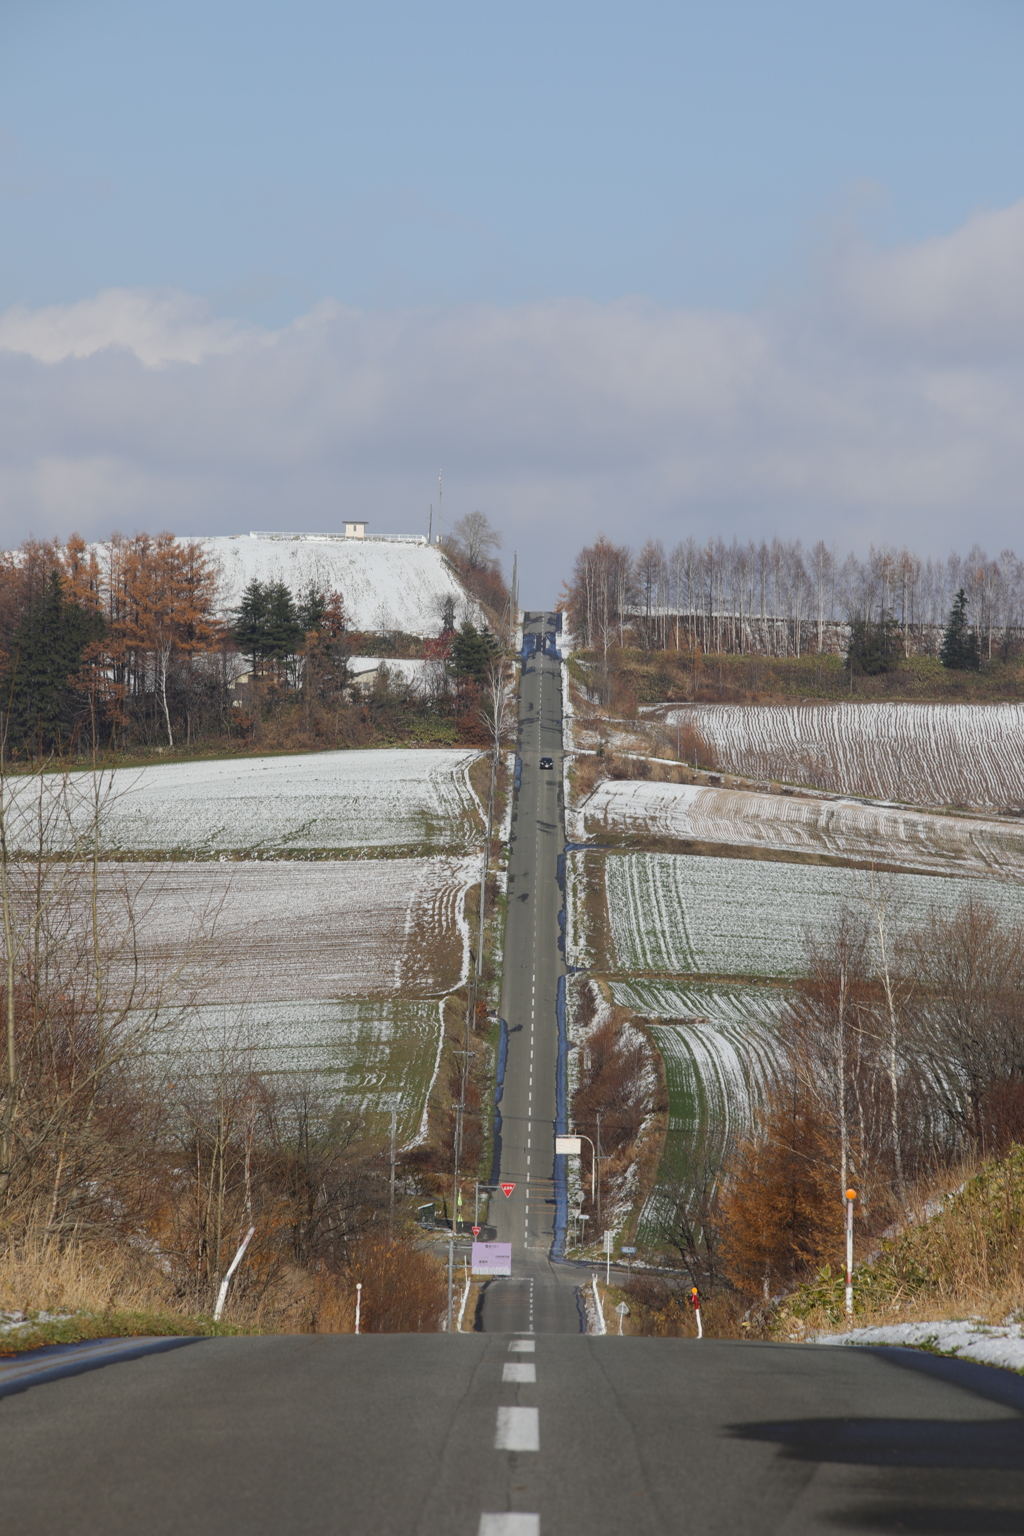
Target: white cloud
[
  {"x": 886, "y": 405},
  {"x": 156, "y": 327}
]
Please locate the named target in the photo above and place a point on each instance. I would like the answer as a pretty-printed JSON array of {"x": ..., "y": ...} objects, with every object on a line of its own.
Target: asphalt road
[
  {"x": 426, "y": 1435},
  {"x": 540, "y": 1296}
]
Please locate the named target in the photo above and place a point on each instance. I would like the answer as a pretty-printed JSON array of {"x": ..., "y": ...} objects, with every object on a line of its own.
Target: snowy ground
[
  {"x": 718, "y": 1046},
  {"x": 845, "y": 829},
  {"x": 999, "y": 1344},
  {"x": 289, "y": 930},
  {"x": 385, "y": 584},
  {"x": 682, "y": 914},
  {"x": 274, "y": 806},
  {"x": 959, "y": 755},
  {"x": 336, "y": 969}
]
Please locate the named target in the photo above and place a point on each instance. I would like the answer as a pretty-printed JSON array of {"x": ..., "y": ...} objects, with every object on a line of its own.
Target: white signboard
[
  {"x": 492, "y": 1258},
  {"x": 609, "y": 1241},
  {"x": 572, "y": 1146}
]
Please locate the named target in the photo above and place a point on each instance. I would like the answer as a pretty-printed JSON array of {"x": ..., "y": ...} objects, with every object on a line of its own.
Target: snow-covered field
[
  {"x": 961, "y": 755},
  {"x": 385, "y": 584},
  {"x": 745, "y": 917},
  {"x": 291, "y": 930},
  {"x": 991, "y": 1344},
  {"x": 337, "y": 969},
  {"x": 719, "y": 1054},
  {"x": 849, "y": 830},
  {"x": 276, "y": 806},
  {"x": 373, "y": 1053}
]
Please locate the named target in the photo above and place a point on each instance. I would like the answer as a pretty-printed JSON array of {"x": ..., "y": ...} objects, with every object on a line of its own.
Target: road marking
[
  {"x": 519, "y": 1370},
  {"x": 522, "y": 1347},
  {"x": 518, "y": 1429},
  {"x": 509, "y": 1524}
]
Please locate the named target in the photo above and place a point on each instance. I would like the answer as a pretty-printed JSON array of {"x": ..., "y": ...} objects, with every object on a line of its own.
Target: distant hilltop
[{"x": 386, "y": 584}]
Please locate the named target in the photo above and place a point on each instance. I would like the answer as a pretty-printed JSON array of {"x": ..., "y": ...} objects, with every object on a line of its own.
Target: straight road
[
  {"x": 540, "y": 1296},
  {"x": 491, "y": 1435}
]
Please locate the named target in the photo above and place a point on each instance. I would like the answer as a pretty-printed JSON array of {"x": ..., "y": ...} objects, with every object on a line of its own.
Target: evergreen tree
[
  {"x": 472, "y": 652},
  {"x": 39, "y": 691},
  {"x": 268, "y": 627},
  {"x": 959, "y": 648},
  {"x": 874, "y": 647}
]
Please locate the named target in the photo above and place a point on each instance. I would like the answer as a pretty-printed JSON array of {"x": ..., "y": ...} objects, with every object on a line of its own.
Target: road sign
[
  {"x": 507, "y": 1189},
  {"x": 622, "y": 1309},
  {"x": 609, "y": 1241},
  {"x": 492, "y": 1258},
  {"x": 476, "y": 1231},
  {"x": 570, "y": 1146},
  {"x": 627, "y": 1250}
]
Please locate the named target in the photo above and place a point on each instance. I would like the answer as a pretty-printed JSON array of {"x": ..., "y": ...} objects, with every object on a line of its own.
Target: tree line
[
  {"x": 776, "y": 598},
  {"x": 128, "y": 643}
]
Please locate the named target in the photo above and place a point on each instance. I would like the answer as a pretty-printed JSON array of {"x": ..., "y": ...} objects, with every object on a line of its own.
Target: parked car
[{"x": 547, "y": 762}]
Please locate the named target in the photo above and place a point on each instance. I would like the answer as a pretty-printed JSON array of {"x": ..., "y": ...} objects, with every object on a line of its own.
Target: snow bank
[
  {"x": 999, "y": 1344},
  {"x": 386, "y": 584}
]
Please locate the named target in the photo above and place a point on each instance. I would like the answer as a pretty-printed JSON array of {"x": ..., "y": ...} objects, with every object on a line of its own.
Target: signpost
[
  {"x": 492, "y": 1259},
  {"x": 568, "y": 1146},
  {"x": 623, "y": 1311},
  {"x": 629, "y": 1252},
  {"x": 507, "y": 1189},
  {"x": 476, "y": 1231},
  {"x": 609, "y": 1244}
]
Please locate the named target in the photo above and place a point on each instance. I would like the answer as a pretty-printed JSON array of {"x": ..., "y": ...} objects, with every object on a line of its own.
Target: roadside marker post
[
  {"x": 359, "y": 1302},
  {"x": 222, "y": 1294},
  {"x": 695, "y": 1304},
  {"x": 851, "y": 1195}
]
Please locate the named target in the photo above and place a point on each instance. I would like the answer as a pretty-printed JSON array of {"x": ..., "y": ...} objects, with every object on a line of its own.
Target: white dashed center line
[
  {"x": 518, "y": 1429},
  {"x": 518, "y": 1370},
  {"x": 509, "y": 1524}
]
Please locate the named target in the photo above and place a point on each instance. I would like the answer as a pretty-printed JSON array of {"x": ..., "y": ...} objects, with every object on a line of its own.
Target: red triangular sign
[
  {"x": 507, "y": 1189},
  {"x": 476, "y": 1231}
]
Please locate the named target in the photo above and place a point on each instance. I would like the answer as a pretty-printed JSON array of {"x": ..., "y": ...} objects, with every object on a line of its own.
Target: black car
[{"x": 547, "y": 762}]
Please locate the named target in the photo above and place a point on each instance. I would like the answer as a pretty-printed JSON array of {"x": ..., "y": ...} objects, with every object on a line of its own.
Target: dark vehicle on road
[{"x": 547, "y": 762}]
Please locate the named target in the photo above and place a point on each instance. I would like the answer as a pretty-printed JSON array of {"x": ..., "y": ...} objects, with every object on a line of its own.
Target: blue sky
[{"x": 258, "y": 161}]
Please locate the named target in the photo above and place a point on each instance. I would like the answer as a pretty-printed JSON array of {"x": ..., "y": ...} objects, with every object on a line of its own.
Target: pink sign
[{"x": 492, "y": 1258}]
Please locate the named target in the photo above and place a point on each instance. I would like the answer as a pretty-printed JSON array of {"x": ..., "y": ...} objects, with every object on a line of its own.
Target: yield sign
[
  {"x": 507, "y": 1189},
  {"x": 476, "y": 1231}
]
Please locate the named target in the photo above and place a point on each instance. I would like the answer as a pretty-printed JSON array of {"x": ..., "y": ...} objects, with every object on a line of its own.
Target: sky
[{"x": 663, "y": 270}]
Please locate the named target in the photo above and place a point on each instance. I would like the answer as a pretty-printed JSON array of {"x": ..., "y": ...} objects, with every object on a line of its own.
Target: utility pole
[{"x": 440, "y": 500}]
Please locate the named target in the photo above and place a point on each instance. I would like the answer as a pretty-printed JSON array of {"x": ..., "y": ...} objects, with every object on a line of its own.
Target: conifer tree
[
  {"x": 959, "y": 648},
  {"x": 40, "y": 697}
]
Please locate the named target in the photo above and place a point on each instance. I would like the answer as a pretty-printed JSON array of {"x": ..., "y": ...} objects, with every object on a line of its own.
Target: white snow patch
[{"x": 991, "y": 1344}]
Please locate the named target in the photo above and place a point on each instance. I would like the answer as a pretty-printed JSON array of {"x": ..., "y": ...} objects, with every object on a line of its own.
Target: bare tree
[{"x": 475, "y": 539}]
